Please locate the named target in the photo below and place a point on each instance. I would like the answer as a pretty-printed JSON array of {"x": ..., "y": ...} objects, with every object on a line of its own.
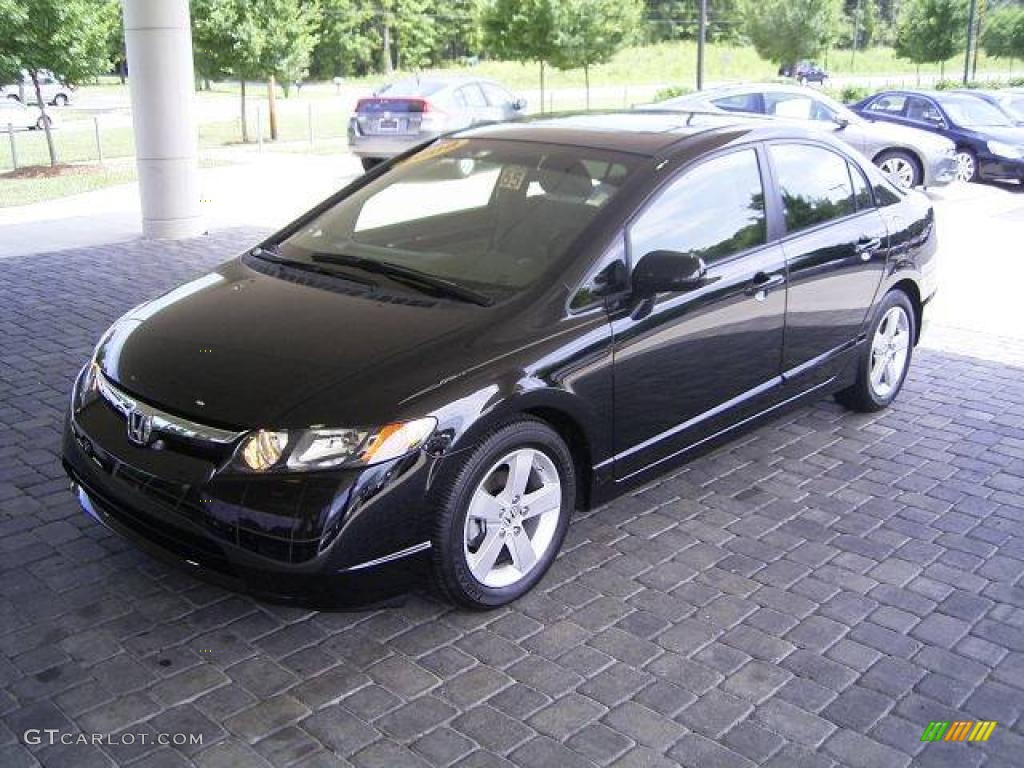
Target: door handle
[
  {"x": 866, "y": 247},
  {"x": 762, "y": 283}
]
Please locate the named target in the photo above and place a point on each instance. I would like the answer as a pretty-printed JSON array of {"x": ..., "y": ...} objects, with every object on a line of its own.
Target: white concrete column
[{"x": 158, "y": 39}]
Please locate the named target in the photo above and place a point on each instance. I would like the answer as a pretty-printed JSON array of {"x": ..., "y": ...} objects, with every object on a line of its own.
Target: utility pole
[
  {"x": 702, "y": 30},
  {"x": 970, "y": 37}
]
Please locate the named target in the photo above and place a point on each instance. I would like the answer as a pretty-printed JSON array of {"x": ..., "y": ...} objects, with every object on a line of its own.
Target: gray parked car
[
  {"x": 911, "y": 157},
  {"x": 408, "y": 112}
]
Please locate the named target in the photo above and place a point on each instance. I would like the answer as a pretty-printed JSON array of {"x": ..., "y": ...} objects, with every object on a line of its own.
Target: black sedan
[
  {"x": 435, "y": 368},
  {"x": 989, "y": 144}
]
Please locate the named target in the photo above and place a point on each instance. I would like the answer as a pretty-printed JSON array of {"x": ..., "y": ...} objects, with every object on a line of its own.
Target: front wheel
[
  {"x": 43, "y": 122},
  {"x": 60, "y": 100},
  {"x": 901, "y": 167},
  {"x": 501, "y": 523},
  {"x": 966, "y": 165},
  {"x": 885, "y": 359}
]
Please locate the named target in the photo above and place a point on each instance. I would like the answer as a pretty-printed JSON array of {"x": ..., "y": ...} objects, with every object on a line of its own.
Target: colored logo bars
[{"x": 961, "y": 730}]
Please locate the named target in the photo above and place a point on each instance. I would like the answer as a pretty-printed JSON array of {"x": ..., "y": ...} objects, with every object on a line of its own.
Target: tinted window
[
  {"x": 814, "y": 184},
  {"x": 404, "y": 88},
  {"x": 923, "y": 111},
  {"x": 487, "y": 214},
  {"x": 711, "y": 211},
  {"x": 741, "y": 102},
  {"x": 891, "y": 104},
  {"x": 796, "y": 105},
  {"x": 861, "y": 190}
]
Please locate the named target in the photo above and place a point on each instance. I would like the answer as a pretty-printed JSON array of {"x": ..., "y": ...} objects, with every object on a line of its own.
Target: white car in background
[
  {"x": 54, "y": 91},
  {"x": 19, "y": 117}
]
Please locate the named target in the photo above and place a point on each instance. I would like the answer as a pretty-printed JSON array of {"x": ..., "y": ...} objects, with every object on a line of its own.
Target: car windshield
[
  {"x": 975, "y": 113},
  {"x": 493, "y": 216}
]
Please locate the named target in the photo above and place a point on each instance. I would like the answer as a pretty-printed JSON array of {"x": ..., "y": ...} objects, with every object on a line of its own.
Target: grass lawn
[{"x": 38, "y": 183}]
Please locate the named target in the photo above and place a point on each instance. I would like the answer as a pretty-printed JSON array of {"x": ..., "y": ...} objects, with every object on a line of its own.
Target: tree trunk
[
  {"x": 272, "y": 107},
  {"x": 45, "y": 118},
  {"x": 586, "y": 83},
  {"x": 918, "y": 75},
  {"x": 542, "y": 106},
  {"x": 245, "y": 121},
  {"x": 386, "y": 61},
  {"x": 942, "y": 70}
]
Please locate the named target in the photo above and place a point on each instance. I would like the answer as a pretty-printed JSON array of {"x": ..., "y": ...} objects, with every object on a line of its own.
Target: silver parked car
[
  {"x": 408, "y": 112},
  {"x": 54, "y": 91},
  {"x": 911, "y": 157},
  {"x": 15, "y": 114}
]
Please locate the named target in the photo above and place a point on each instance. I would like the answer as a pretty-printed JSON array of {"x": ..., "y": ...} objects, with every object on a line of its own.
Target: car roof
[
  {"x": 639, "y": 132},
  {"x": 950, "y": 97},
  {"x": 725, "y": 90}
]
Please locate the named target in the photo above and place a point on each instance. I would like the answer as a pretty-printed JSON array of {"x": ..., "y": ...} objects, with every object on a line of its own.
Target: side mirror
[
  {"x": 841, "y": 122},
  {"x": 667, "y": 271},
  {"x": 519, "y": 104}
]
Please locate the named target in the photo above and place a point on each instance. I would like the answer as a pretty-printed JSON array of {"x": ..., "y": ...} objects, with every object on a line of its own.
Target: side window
[
  {"x": 496, "y": 97},
  {"x": 712, "y": 211},
  {"x": 794, "y": 105},
  {"x": 814, "y": 183},
  {"x": 923, "y": 111},
  {"x": 473, "y": 95},
  {"x": 861, "y": 190},
  {"x": 741, "y": 102},
  {"x": 891, "y": 105}
]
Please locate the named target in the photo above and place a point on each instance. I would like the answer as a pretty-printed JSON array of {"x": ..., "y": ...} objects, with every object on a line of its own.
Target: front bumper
[
  {"x": 940, "y": 171},
  {"x": 328, "y": 539},
  {"x": 996, "y": 168}
]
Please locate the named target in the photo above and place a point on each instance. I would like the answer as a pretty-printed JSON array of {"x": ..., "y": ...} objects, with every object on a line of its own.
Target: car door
[
  {"x": 835, "y": 245},
  {"x": 886, "y": 106},
  {"x": 476, "y": 103},
  {"x": 688, "y": 363},
  {"x": 501, "y": 102},
  {"x": 924, "y": 114}
]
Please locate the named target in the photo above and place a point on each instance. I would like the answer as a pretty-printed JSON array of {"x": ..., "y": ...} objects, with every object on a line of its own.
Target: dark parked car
[
  {"x": 989, "y": 146},
  {"x": 804, "y": 72},
  {"x": 442, "y": 362}
]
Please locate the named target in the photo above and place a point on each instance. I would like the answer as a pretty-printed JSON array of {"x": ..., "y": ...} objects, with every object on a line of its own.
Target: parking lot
[{"x": 812, "y": 594}]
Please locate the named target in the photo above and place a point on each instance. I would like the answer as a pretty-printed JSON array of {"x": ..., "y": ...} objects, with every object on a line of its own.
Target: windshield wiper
[
  {"x": 408, "y": 276},
  {"x": 273, "y": 255}
]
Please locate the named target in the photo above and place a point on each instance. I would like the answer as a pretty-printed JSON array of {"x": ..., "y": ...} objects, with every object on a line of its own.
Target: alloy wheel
[
  {"x": 890, "y": 349},
  {"x": 513, "y": 516},
  {"x": 964, "y": 166},
  {"x": 900, "y": 170}
]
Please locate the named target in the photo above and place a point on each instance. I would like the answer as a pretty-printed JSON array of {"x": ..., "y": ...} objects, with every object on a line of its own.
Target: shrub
[{"x": 671, "y": 91}]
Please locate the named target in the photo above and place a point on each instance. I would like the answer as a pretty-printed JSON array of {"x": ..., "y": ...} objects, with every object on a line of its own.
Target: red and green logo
[{"x": 959, "y": 730}]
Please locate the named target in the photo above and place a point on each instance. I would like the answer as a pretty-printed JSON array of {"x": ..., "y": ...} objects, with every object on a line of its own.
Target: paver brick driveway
[{"x": 813, "y": 593}]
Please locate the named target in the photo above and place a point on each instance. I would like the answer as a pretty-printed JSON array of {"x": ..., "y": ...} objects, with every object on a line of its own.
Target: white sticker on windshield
[{"x": 512, "y": 177}]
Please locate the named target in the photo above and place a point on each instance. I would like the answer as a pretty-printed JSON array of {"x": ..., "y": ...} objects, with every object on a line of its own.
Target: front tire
[
  {"x": 901, "y": 167},
  {"x": 966, "y": 165},
  {"x": 60, "y": 100},
  {"x": 885, "y": 359},
  {"x": 43, "y": 122},
  {"x": 502, "y": 520}
]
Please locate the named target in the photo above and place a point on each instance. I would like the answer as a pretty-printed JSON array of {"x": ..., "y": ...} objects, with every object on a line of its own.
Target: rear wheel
[
  {"x": 43, "y": 122},
  {"x": 502, "y": 522},
  {"x": 60, "y": 100},
  {"x": 901, "y": 167},
  {"x": 369, "y": 163},
  {"x": 885, "y": 358}
]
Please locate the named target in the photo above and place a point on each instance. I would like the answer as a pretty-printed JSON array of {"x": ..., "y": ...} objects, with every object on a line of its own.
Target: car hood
[
  {"x": 912, "y": 137},
  {"x": 240, "y": 349},
  {"x": 1007, "y": 135}
]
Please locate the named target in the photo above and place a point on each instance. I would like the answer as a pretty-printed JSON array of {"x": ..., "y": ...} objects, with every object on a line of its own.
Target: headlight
[
  {"x": 1005, "y": 150},
  {"x": 322, "y": 448},
  {"x": 87, "y": 386}
]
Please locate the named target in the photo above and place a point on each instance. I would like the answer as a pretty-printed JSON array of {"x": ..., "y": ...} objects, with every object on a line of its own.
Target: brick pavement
[{"x": 812, "y": 594}]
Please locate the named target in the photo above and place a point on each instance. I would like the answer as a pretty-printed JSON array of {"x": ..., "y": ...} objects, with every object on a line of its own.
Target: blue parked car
[{"x": 989, "y": 146}]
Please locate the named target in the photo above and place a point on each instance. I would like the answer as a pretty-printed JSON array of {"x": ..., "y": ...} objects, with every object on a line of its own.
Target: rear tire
[
  {"x": 369, "y": 163},
  {"x": 885, "y": 358},
  {"x": 43, "y": 122},
  {"x": 60, "y": 100},
  {"x": 489, "y": 547}
]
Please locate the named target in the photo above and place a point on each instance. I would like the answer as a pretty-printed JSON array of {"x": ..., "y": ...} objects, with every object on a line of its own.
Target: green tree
[
  {"x": 521, "y": 30},
  {"x": 349, "y": 39},
  {"x": 589, "y": 32},
  {"x": 930, "y": 31},
  {"x": 1003, "y": 37},
  {"x": 786, "y": 31},
  {"x": 66, "y": 37}
]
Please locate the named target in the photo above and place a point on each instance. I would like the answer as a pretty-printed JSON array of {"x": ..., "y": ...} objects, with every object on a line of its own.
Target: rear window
[
  {"x": 405, "y": 88},
  {"x": 487, "y": 214}
]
